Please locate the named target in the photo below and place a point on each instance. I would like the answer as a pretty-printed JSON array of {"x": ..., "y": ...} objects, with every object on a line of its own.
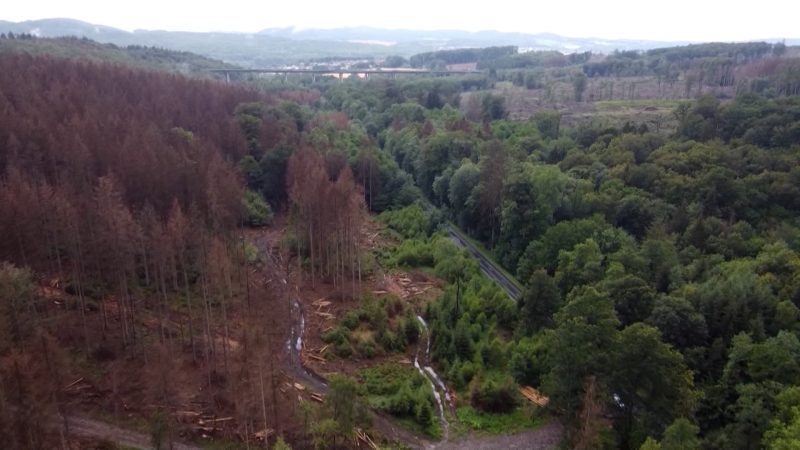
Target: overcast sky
[{"x": 699, "y": 20}]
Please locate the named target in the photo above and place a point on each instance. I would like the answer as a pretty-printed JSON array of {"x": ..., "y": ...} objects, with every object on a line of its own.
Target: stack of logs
[{"x": 534, "y": 396}]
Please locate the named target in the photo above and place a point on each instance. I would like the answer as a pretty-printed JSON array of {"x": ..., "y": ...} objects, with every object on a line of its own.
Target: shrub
[
  {"x": 414, "y": 253},
  {"x": 424, "y": 413},
  {"x": 494, "y": 394},
  {"x": 467, "y": 372},
  {"x": 411, "y": 328},
  {"x": 493, "y": 354},
  {"x": 366, "y": 347},
  {"x": 336, "y": 336},
  {"x": 391, "y": 341},
  {"x": 257, "y": 211},
  {"x": 527, "y": 361},
  {"x": 350, "y": 320},
  {"x": 343, "y": 349},
  {"x": 410, "y": 222},
  {"x": 392, "y": 305},
  {"x": 403, "y": 402}
]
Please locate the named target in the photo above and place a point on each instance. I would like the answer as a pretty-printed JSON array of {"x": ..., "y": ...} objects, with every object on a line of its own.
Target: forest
[{"x": 162, "y": 233}]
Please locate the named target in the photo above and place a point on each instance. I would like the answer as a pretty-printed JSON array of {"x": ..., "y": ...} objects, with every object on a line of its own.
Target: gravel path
[{"x": 545, "y": 437}]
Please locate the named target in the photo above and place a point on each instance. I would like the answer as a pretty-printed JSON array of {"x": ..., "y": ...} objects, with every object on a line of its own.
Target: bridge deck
[{"x": 351, "y": 71}]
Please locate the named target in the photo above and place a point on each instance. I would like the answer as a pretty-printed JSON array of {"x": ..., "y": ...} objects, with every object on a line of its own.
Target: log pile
[
  {"x": 362, "y": 436},
  {"x": 534, "y": 396}
]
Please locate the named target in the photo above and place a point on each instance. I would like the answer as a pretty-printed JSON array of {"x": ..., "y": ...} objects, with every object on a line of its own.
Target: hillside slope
[{"x": 135, "y": 56}]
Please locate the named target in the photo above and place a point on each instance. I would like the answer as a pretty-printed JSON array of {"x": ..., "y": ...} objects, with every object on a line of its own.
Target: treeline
[
  {"x": 497, "y": 58},
  {"x": 20, "y": 36},
  {"x": 139, "y": 56},
  {"x": 740, "y": 51},
  {"x": 770, "y": 77},
  {"x": 708, "y": 64},
  {"x": 460, "y": 56},
  {"x": 751, "y": 119},
  {"x": 535, "y": 60}
]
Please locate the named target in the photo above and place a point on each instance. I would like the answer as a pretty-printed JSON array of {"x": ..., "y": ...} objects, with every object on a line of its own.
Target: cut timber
[
  {"x": 74, "y": 383},
  {"x": 534, "y": 396},
  {"x": 364, "y": 437},
  {"x": 263, "y": 434},
  {"x": 327, "y": 316},
  {"x": 299, "y": 387},
  {"x": 221, "y": 419},
  {"x": 322, "y": 304},
  {"x": 318, "y": 358},
  {"x": 322, "y": 350}
]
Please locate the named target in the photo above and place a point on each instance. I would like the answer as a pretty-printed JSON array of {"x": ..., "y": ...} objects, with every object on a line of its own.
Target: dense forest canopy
[{"x": 675, "y": 254}]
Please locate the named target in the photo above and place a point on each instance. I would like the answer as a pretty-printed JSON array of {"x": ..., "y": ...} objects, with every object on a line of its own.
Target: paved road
[{"x": 488, "y": 267}]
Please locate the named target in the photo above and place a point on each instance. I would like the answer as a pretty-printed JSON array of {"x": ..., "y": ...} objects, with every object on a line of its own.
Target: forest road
[
  {"x": 545, "y": 437},
  {"x": 83, "y": 426},
  {"x": 488, "y": 267}
]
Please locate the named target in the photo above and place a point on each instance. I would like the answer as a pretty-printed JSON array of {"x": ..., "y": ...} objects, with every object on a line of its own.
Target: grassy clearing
[
  {"x": 523, "y": 418},
  {"x": 619, "y": 105}
]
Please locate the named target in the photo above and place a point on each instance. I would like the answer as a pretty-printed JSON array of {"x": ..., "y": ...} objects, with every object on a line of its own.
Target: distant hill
[
  {"x": 236, "y": 48},
  {"x": 63, "y": 27},
  {"x": 452, "y": 39},
  {"x": 137, "y": 56},
  {"x": 277, "y": 46}
]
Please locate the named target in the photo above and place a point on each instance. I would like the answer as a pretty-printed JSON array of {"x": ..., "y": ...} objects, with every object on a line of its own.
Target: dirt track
[
  {"x": 82, "y": 426},
  {"x": 545, "y": 437}
]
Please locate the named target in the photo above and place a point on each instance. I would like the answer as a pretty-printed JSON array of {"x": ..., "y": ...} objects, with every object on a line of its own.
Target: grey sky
[{"x": 699, "y": 20}]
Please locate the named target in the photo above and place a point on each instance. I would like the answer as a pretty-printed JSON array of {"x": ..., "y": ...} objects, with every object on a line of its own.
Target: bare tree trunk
[
  {"x": 162, "y": 286},
  {"x": 82, "y": 305},
  {"x": 263, "y": 399},
  {"x": 311, "y": 247},
  {"x": 189, "y": 306}
]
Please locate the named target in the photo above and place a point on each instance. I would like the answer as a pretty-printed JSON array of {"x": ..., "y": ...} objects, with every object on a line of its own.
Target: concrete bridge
[{"x": 340, "y": 73}]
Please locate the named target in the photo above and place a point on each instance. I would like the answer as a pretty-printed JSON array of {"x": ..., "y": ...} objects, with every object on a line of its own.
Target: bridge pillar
[{"x": 227, "y": 77}]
